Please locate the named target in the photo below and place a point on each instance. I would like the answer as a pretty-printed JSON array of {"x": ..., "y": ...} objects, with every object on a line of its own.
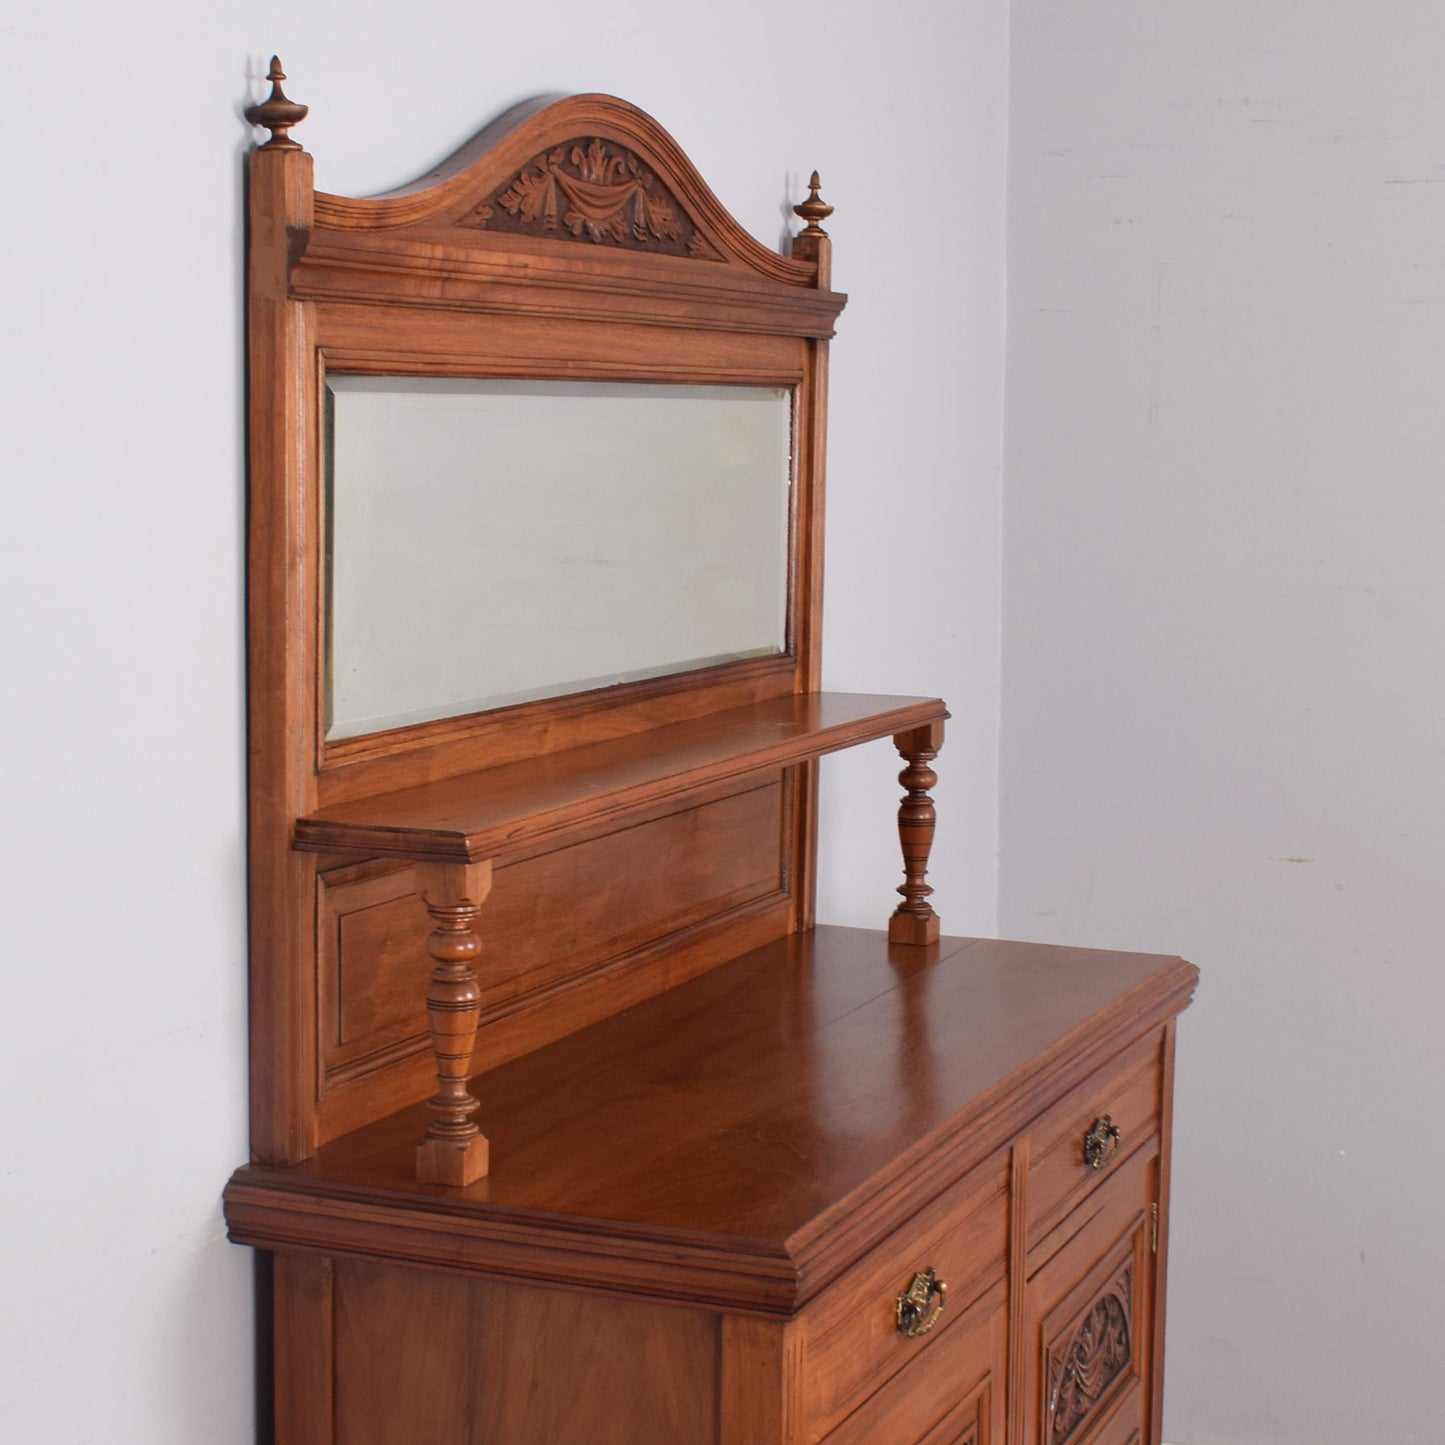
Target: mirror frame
[{"x": 571, "y": 239}]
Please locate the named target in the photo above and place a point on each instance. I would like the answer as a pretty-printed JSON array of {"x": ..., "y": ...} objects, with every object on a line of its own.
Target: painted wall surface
[
  {"x": 126, "y": 1316},
  {"x": 1224, "y": 618}
]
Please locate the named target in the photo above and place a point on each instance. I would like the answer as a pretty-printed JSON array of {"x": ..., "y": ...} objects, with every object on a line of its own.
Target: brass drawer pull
[
  {"x": 917, "y": 1314},
  {"x": 1101, "y": 1143}
]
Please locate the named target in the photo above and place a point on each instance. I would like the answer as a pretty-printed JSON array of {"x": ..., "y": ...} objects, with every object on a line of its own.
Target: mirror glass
[{"x": 495, "y": 542}]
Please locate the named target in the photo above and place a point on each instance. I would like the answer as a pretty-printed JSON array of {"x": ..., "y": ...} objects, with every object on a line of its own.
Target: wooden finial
[
  {"x": 813, "y": 210},
  {"x": 277, "y": 113}
]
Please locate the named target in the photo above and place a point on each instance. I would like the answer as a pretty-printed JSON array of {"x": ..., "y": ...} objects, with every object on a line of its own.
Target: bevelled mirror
[{"x": 492, "y": 542}]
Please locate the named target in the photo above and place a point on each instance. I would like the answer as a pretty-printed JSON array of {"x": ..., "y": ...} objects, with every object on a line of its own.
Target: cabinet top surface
[{"x": 773, "y": 1094}]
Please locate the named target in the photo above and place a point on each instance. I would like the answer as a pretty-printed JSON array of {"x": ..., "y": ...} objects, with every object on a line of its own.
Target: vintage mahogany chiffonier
[{"x": 567, "y": 1122}]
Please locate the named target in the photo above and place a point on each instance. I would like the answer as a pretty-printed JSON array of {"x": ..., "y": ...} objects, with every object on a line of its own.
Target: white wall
[
  {"x": 126, "y": 1315},
  {"x": 1223, "y": 625}
]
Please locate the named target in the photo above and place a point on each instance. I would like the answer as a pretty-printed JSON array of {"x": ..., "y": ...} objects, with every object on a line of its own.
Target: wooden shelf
[{"x": 486, "y": 814}]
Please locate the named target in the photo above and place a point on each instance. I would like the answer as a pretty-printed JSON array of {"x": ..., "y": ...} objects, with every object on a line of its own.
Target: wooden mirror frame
[{"x": 571, "y": 238}]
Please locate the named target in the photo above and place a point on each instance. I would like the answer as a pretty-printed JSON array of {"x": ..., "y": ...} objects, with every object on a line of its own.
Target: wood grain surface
[
  {"x": 498, "y": 810},
  {"x": 745, "y": 1136}
]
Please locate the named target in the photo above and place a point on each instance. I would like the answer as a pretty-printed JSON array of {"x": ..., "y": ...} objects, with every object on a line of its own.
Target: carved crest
[
  {"x": 592, "y": 191},
  {"x": 1091, "y": 1358}
]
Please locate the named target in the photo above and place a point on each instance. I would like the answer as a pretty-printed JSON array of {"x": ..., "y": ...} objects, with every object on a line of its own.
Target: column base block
[
  {"x": 914, "y": 928},
  {"x": 440, "y": 1161}
]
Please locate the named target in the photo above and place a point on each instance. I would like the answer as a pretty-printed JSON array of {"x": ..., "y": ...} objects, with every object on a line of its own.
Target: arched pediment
[{"x": 587, "y": 171}]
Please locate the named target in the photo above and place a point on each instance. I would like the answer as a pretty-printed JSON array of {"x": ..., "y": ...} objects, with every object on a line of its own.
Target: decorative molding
[
  {"x": 1095, "y": 1353},
  {"x": 591, "y": 190}
]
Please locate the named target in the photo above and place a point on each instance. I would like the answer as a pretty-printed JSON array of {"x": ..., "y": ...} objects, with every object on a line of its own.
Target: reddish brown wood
[
  {"x": 454, "y": 1150},
  {"x": 1088, "y": 1318},
  {"x": 417, "y": 282},
  {"x": 1161, "y": 1232},
  {"x": 510, "y": 1030},
  {"x": 951, "y": 1393},
  {"x": 430, "y": 1357},
  {"x": 1127, "y": 1091},
  {"x": 930, "y": 1056},
  {"x": 813, "y": 210},
  {"x": 914, "y": 920},
  {"x": 721, "y": 1141},
  {"x": 302, "y": 1319},
  {"x": 281, "y": 572},
  {"x": 1017, "y": 1271},
  {"x": 498, "y": 811},
  {"x": 760, "y": 1372},
  {"x": 942, "y": 1062},
  {"x": 278, "y": 114},
  {"x": 664, "y": 878},
  {"x": 853, "y": 1347}
]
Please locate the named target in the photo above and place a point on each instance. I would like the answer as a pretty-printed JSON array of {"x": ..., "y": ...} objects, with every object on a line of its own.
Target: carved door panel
[{"x": 1088, "y": 1319}]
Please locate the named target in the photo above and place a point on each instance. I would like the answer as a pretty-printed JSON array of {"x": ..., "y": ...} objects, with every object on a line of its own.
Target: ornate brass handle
[
  {"x": 1101, "y": 1143},
  {"x": 917, "y": 1312}
]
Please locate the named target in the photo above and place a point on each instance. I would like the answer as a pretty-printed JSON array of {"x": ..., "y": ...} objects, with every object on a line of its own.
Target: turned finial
[
  {"x": 813, "y": 210},
  {"x": 276, "y": 112}
]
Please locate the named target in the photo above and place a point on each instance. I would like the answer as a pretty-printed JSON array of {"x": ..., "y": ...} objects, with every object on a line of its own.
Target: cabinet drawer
[
  {"x": 952, "y": 1394},
  {"x": 1126, "y": 1094},
  {"x": 851, "y": 1341}
]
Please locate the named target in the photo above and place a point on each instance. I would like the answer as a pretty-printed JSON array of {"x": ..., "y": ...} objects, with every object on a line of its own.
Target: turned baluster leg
[
  {"x": 455, "y": 1149},
  {"x": 914, "y": 920}
]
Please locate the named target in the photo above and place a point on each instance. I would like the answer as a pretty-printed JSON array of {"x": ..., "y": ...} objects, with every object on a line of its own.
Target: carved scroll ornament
[
  {"x": 593, "y": 192},
  {"x": 1090, "y": 1359}
]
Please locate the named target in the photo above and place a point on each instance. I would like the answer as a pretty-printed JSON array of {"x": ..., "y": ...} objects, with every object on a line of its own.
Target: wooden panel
[
  {"x": 548, "y": 918},
  {"x": 761, "y": 1379},
  {"x": 606, "y": 1370},
  {"x": 332, "y": 271},
  {"x": 952, "y": 1396},
  {"x": 450, "y": 1360},
  {"x": 1127, "y": 1090},
  {"x": 302, "y": 1344},
  {"x": 1089, "y": 1318},
  {"x": 852, "y": 1340},
  {"x": 406, "y": 1348},
  {"x": 405, "y": 339}
]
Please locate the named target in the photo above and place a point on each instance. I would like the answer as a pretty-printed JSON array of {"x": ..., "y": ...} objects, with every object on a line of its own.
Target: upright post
[
  {"x": 454, "y": 1150},
  {"x": 914, "y": 920}
]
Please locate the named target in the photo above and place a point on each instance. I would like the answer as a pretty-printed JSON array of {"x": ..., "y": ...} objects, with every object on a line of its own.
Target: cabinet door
[{"x": 1088, "y": 1317}]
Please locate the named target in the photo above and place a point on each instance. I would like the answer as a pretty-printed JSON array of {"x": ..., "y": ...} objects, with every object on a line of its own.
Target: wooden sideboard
[{"x": 568, "y": 1121}]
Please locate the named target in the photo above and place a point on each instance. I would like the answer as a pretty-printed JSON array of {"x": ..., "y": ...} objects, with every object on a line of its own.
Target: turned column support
[
  {"x": 454, "y": 1150},
  {"x": 914, "y": 920}
]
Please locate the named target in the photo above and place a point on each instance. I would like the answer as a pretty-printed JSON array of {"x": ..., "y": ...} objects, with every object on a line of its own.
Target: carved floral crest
[{"x": 593, "y": 192}]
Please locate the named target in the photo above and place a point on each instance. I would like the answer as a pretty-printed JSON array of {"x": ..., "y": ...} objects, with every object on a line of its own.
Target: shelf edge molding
[{"x": 495, "y": 811}]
